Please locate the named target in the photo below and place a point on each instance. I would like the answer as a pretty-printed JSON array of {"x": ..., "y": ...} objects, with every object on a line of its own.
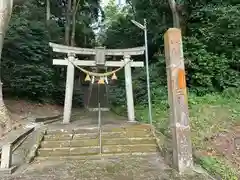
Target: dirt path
[
  {"x": 84, "y": 118},
  {"x": 228, "y": 144},
  {"x": 21, "y": 112}
]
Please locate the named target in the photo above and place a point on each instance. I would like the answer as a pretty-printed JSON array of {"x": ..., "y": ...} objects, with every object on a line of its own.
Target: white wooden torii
[{"x": 99, "y": 54}]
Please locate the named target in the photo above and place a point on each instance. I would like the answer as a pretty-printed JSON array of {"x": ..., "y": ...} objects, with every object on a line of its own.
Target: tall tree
[
  {"x": 68, "y": 22},
  {"x": 175, "y": 13},
  {"x": 48, "y": 10},
  {"x": 5, "y": 15},
  {"x": 76, "y": 6}
]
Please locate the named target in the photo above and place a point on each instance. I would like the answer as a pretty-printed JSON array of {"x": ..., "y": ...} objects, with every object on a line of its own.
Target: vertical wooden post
[
  {"x": 177, "y": 97},
  {"x": 69, "y": 90},
  {"x": 6, "y": 158},
  {"x": 129, "y": 89}
]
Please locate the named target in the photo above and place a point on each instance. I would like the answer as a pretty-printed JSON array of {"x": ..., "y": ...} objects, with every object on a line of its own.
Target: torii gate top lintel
[
  {"x": 100, "y": 54},
  {"x": 88, "y": 51}
]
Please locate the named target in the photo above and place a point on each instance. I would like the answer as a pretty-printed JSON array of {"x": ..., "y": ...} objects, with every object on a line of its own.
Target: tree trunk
[
  {"x": 5, "y": 15},
  {"x": 175, "y": 14},
  {"x": 48, "y": 15},
  {"x": 68, "y": 22},
  {"x": 74, "y": 22}
]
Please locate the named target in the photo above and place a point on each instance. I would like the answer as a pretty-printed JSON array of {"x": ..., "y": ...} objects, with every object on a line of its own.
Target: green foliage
[
  {"x": 27, "y": 69},
  {"x": 31, "y": 81},
  {"x": 219, "y": 29},
  {"x": 207, "y": 72},
  {"x": 218, "y": 168},
  {"x": 219, "y": 33},
  {"x": 209, "y": 115},
  {"x": 26, "y": 64},
  {"x": 211, "y": 44}
]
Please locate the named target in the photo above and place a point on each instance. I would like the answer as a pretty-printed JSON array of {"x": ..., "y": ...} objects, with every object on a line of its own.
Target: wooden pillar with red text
[{"x": 178, "y": 101}]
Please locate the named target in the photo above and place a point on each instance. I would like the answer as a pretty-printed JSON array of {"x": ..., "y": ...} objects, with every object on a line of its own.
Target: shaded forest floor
[{"x": 21, "y": 110}]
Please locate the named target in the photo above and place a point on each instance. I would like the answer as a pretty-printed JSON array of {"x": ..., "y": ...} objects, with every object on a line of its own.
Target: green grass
[
  {"x": 218, "y": 167},
  {"x": 209, "y": 115}
]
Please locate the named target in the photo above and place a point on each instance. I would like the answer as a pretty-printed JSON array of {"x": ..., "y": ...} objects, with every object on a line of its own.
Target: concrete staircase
[
  {"x": 79, "y": 143},
  {"x": 96, "y": 93}
]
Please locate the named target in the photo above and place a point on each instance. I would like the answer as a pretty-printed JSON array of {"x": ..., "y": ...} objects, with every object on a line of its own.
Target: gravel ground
[{"x": 120, "y": 168}]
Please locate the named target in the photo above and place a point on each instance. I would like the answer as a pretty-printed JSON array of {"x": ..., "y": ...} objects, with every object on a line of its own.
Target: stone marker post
[{"x": 177, "y": 97}]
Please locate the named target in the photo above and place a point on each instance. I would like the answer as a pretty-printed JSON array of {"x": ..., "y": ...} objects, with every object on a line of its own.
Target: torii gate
[
  {"x": 182, "y": 148},
  {"x": 100, "y": 60}
]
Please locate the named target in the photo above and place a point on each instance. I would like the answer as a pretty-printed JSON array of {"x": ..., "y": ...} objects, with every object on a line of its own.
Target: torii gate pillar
[
  {"x": 129, "y": 89},
  {"x": 69, "y": 90}
]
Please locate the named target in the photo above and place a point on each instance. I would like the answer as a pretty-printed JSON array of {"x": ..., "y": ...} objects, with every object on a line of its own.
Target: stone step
[
  {"x": 95, "y": 142},
  {"x": 133, "y": 127},
  {"x": 70, "y": 143},
  {"x": 59, "y": 137},
  {"x": 95, "y": 157},
  {"x": 85, "y": 136},
  {"x": 75, "y": 131},
  {"x": 94, "y": 150},
  {"x": 136, "y": 148},
  {"x": 121, "y": 134},
  {"x": 130, "y": 141},
  {"x": 129, "y": 127},
  {"x": 43, "y": 152},
  {"x": 106, "y": 135},
  {"x": 126, "y": 134}
]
